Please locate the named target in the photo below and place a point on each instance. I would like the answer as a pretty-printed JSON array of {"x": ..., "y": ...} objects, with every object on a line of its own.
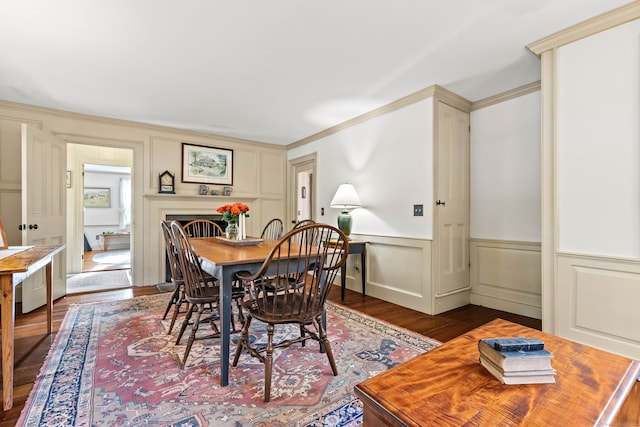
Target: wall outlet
[
  {"x": 418, "y": 210},
  {"x": 97, "y": 237},
  {"x": 322, "y": 211}
]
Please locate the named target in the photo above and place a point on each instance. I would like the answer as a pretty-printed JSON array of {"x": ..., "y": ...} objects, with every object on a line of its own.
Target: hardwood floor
[
  {"x": 32, "y": 344},
  {"x": 89, "y": 265}
]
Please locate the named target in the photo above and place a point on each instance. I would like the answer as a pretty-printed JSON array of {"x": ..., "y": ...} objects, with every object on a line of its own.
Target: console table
[
  {"x": 13, "y": 270},
  {"x": 448, "y": 387},
  {"x": 108, "y": 236},
  {"x": 355, "y": 247}
]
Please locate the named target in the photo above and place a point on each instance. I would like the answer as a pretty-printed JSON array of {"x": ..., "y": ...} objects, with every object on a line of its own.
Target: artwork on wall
[
  {"x": 207, "y": 165},
  {"x": 97, "y": 197}
]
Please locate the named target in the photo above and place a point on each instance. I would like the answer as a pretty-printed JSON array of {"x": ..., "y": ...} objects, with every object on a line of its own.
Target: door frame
[
  {"x": 296, "y": 165},
  {"x": 137, "y": 191}
]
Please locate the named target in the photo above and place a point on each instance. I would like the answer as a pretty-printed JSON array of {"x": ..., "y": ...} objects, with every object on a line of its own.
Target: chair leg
[
  {"x": 192, "y": 335},
  {"x": 327, "y": 347},
  {"x": 242, "y": 341},
  {"x": 185, "y": 322},
  {"x": 176, "y": 310},
  {"x": 268, "y": 363},
  {"x": 302, "y": 334},
  {"x": 172, "y": 301}
]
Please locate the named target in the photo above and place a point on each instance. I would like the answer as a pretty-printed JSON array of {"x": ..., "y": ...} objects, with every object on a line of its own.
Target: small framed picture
[
  {"x": 3, "y": 237},
  {"x": 97, "y": 197},
  {"x": 68, "y": 179},
  {"x": 206, "y": 165}
]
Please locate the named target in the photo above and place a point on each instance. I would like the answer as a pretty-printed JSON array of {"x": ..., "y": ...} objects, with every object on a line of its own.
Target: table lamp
[{"x": 345, "y": 198}]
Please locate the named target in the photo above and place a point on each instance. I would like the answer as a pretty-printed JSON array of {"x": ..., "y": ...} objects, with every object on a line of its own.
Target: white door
[
  {"x": 44, "y": 193},
  {"x": 451, "y": 210},
  {"x": 301, "y": 191}
]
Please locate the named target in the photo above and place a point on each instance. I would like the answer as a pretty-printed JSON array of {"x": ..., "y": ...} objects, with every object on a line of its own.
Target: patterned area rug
[{"x": 113, "y": 364}]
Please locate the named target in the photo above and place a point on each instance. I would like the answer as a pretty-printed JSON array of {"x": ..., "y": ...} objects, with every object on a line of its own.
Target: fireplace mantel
[{"x": 194, "y": 197}]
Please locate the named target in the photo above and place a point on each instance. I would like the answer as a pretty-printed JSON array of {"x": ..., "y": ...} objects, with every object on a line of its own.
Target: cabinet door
[
  {"x": 44, "y": 160},
  {"x": 451, "y": 210}
]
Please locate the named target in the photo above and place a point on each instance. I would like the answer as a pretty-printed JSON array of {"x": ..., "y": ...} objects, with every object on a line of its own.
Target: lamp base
[{"x": 344, "y": 223}]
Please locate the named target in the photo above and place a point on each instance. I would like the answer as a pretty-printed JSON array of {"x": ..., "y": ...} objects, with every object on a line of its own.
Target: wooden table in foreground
[
  {"x": 13, "y": 270},
  {"x": 448, "y": 387}
]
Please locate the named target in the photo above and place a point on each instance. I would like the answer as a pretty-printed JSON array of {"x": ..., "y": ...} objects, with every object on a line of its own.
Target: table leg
[
  {"x": 363, "y": 256},
  {"x": 49, "y": 281},
  {"x": 8, "y": 319},
  {"x": 225, "y": 323},
  {"x": 343, "y": 280}
]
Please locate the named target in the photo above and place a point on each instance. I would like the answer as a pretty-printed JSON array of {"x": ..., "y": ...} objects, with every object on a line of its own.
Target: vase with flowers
[{"x": 233, "y": 215}]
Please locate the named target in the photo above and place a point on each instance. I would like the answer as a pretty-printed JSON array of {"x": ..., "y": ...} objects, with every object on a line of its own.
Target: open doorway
[
  {"x": 302, "y": 188},
  {"x": 102, "y": 230}
]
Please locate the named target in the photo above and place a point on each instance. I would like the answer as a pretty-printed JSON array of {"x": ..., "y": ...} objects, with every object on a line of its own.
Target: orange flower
[{"x": 230, "y": 213}]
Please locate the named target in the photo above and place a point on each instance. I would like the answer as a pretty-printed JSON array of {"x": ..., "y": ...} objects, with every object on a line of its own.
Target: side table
[{"x": 354, "y": 248}]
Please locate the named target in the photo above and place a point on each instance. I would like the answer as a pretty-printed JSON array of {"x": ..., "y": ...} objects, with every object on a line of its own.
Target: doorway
[
  {"x": 302, "y": 172},
  {"x": 102, "y": 230}
]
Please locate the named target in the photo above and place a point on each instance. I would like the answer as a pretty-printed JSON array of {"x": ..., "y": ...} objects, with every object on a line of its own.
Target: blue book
[
  {"x": 518, "y": 344},
  {"x": 515, "y": 360}
]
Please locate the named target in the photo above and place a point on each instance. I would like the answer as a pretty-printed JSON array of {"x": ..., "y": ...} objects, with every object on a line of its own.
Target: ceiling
[{"x": 271, "y": 71}]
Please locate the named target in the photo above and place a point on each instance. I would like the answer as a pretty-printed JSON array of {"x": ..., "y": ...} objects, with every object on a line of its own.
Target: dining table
[{"x": 223, "y": 259}]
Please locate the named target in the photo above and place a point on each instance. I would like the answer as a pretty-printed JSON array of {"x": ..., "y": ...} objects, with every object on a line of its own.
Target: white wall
[
  {"x": 505, "y": 170},
  {"x": 389, "y": 160},
  {"x": 598, "y": 149},
  {"x": 99, "y": 220}
]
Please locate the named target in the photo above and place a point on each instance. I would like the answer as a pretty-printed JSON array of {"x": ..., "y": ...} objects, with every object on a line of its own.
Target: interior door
[
  {"x": 44, "y": 164},
  {"x": 301, "y": 191},
  {"x": 451, "y": 213}
]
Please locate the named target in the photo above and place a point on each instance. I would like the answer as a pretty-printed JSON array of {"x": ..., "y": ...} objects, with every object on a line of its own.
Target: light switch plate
[{"x": 418, "y": 210}]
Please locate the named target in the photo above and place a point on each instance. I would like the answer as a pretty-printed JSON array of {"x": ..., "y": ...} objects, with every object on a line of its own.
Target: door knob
[
  {"x": 33, "y": 226},
  {"x": 439, "y": 203},
  {"x": 22, "y": 227}
]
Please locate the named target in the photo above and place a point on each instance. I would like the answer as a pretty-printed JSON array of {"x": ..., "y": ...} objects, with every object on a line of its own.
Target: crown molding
[
  {"x": 395, "y": 105},
  {"x": 456, "y": 101},
  {"x": 605, "y": 21},
  {"x": 120, "y": 122},
  {"x": 506, "y": 96}
]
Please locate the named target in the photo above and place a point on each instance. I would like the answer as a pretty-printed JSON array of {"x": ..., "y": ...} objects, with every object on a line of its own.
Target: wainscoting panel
[
  {"x": 597, "y": 302},
  {"x": 398, "y": 271},
  {"x": 505, "y": 275}
]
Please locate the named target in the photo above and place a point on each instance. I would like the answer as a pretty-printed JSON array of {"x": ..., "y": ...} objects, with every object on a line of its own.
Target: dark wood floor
[{"x": 32, "y": 344}]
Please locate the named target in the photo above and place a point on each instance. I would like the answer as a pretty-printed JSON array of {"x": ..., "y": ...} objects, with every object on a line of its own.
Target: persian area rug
[{"x": 113, "y": 364}]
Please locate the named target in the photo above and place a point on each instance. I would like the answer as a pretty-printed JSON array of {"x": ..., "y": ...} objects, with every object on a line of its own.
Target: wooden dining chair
[
  {"x": 177, "y": 297},
  {"x": 303, "y": 223},
  {"x": 276, "y": 299},
  {"x": 201, "y": 293},
  {"x": 273, "y": 230},
  {"x": 202, "y": 228}
]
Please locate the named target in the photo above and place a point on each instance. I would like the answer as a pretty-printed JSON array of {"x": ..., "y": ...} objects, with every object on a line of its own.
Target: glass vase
[{"x": 231, "y": 232}]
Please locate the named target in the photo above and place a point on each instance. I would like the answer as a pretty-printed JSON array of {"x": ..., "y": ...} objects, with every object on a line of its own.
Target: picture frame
[
  {"x": 96, "y": 197},
  {"x": 68, "y": 179},
  {"x": 206, "y": 165},
  {"x": 4, "y": 244}
]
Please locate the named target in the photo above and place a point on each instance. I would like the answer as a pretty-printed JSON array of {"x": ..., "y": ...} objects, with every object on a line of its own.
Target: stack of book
[{"x": 517, "y": 360}]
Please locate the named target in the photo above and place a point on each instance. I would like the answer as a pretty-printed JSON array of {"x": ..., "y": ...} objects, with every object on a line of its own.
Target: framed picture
[
  {"x": 207, "y": 165},
  {"x": 3, "y": 237},
  {"x": 68, "y": 179},
  {"x": 97, "y": 197}
]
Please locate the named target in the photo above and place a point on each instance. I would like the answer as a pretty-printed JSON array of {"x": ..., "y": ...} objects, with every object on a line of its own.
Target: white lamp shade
[{"x": 346, "y": 197}]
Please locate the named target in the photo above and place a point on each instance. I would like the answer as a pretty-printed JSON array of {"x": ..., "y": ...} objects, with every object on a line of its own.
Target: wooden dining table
[
  {"x": 13, "y": 270},
  {"x": 223, "y": 260}
]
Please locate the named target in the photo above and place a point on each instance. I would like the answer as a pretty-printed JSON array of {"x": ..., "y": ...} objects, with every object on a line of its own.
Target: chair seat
[{"x": 278, "y": 310}]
